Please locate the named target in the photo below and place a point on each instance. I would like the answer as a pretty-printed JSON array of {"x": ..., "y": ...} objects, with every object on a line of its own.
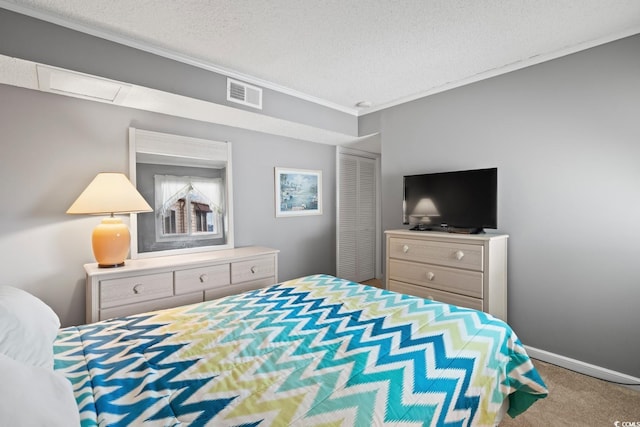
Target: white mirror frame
[{"x": 183, "y": 151}]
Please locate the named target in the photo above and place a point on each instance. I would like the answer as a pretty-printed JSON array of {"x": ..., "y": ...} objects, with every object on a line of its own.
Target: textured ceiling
[{"x": 339, "y": 52}]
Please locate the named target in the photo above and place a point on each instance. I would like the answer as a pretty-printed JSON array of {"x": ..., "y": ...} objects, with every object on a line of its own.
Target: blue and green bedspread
[{"x": 314, "y": 351}]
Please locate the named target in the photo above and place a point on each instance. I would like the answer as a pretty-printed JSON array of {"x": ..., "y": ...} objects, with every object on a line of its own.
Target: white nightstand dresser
[
  {"x": 468, "y": 270},
  {"x": 149, "y": 284}
]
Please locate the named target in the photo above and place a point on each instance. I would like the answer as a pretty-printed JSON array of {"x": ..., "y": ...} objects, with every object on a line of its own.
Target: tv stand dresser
[
  {"x": 148, "y": 284},
  {"x": 468, "y": 270}
]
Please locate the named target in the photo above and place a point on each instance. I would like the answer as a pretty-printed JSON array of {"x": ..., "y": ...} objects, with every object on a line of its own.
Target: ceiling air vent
[{"x": 244, "y": 94}]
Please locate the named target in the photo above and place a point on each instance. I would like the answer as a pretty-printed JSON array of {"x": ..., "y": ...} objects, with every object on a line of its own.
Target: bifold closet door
[{"x": 356, "y": 218}]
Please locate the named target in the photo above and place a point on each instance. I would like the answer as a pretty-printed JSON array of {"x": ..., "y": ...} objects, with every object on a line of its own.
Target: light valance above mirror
[{"x": 187, "y": 181}]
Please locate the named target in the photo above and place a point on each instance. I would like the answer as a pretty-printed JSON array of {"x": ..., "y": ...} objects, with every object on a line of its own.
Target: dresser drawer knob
[
  {"x": 405, "y": 249},
  {"x": 431, "y": 275},
  {"x": 253, "y": 269},
  {"x": 203, "y": 278},
  {"x": 138, "y": 288},
  {"x": 459, "y": 255}
]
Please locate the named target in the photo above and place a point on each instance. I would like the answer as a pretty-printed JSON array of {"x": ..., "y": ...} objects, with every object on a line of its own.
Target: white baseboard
[{"x": 584, "y": 368}]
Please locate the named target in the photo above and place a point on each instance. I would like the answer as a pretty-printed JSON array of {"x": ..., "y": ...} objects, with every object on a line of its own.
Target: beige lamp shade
[{"x": 110, "y": 193}]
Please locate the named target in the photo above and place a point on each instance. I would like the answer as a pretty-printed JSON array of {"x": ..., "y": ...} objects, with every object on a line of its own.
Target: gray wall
[
  {"x": 565, "y": 136},
  {"x": 51, "y": 147}
]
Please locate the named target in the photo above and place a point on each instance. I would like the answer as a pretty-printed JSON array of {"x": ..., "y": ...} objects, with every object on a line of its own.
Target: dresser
[
  {"x": 149, "y": 284},
  {"x": 468, "y": 270}
]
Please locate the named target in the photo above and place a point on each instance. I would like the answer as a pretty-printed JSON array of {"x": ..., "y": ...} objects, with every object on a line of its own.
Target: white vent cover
[
  {"x": 79, "y": 85},
  {"x": 244, "y": 93}
]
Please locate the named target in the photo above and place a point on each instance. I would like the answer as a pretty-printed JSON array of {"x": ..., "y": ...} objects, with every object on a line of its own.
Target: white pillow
[
  {"x": 29, "y": 327},
  {"x": 32, "y": 396}
]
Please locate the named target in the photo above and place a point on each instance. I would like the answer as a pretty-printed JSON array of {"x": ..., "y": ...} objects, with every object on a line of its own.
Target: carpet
[{"x": 579, "y": 400}]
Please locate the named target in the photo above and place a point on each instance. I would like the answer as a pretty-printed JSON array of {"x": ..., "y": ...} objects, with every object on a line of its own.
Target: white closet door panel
[
  {"x": 357, "y": 218},
  {"x": 348, "y": 218},
  {"x": 348, "y": 194},
  {"x": 347, "y": 267},
  {"x": 366, "y": 194},
  {"x": 366, "y": 242}
]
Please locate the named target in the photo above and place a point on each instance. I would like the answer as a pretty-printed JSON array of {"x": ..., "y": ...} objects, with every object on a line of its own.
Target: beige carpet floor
[{"x": 578, "y": 400}]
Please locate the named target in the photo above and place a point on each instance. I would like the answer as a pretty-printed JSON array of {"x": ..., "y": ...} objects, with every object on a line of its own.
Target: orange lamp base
[{"x": 110, "y": 241}]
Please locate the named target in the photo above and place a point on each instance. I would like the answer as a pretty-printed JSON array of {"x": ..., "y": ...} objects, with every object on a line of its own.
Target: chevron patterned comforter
[{"x": 315, "y": 351}]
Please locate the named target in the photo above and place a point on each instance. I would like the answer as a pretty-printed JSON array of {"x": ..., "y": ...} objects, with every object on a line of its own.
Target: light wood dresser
[
  {"x": 468, "y": 270},
  {"x": 149, "y": 284}
]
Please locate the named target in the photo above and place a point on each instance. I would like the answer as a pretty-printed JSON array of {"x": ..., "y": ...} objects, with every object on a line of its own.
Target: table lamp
[{"x": 110, "y": 193}]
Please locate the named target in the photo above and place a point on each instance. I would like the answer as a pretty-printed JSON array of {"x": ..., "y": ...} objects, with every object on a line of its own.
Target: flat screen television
[{"x": 460, "y": 201}]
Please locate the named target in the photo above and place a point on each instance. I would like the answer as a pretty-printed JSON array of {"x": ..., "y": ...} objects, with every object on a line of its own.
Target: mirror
[{"x": 187, "y": 181}]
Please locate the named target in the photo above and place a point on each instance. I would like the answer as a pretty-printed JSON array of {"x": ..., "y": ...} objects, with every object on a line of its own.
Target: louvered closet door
[
  {"x": 357, "y": 218},
  {"x": 366, "y": 236}
]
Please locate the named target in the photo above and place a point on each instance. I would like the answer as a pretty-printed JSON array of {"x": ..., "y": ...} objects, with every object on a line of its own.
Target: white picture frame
[{"x": 298, "y": 192}]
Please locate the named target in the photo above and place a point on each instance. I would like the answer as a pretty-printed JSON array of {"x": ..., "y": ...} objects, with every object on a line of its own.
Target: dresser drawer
[
  {"x": 158, "y": 304},
  {"x": 436, "y": 295},
  {"x": 129, "y": 290},
  {"x": 238, "y": 288},
  {"x": 199, "y": 279},
  {"x": 459, "y": 255},
  {"x": 458, "y": 281},
  {"x": 257, "y": 268}
]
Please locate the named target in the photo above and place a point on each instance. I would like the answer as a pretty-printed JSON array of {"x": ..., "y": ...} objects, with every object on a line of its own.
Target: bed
[{"x": 314, "y": 351}]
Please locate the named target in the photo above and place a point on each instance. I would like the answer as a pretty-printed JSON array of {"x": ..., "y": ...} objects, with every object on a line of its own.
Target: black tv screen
[{"x": 452, "y": 201}]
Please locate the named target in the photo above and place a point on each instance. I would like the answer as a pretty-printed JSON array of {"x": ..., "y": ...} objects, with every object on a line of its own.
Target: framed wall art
[{"x": 298, "y": 192}]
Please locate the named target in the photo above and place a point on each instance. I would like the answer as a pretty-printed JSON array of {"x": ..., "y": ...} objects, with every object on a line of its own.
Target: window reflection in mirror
[{"x": 188, "y": 206}]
